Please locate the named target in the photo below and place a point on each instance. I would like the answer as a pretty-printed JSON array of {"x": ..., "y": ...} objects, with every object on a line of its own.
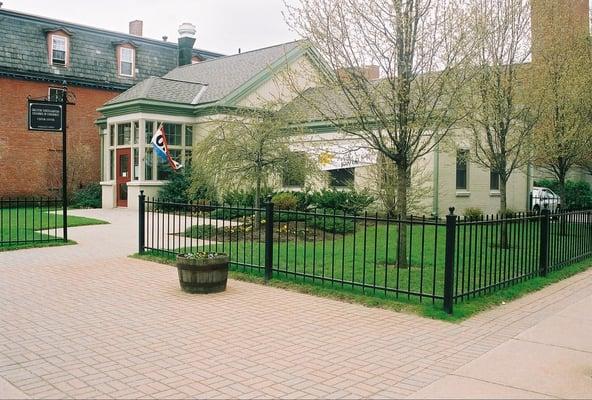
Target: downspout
[{"x": 436, "y": 194}]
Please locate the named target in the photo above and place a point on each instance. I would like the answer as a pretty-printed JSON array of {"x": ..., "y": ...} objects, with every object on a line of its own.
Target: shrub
[
  {"x": 204, "y": 231},
  {"x": 87, "y": 197},
  {"x": 176, "y": 190},
  {"x": 304, "y": 199},
  {"x": 511, "y": 213},
  {"x": 286, "y": 216},
  {"x": 473, "y": 213},
  {"x": 328, "y": 224},
  {"x": 243, "y": 197},
  {"x": 350, "y": 201},
  {"x": 578, "y": 193},
  {"x": 229, "y": 213},
  {"x": 285, "y": 201}
]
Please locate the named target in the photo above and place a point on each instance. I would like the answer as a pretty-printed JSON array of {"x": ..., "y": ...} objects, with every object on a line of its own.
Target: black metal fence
[
  {"x": 427, "y": 259},
  {"x": 33, "y": 220}
]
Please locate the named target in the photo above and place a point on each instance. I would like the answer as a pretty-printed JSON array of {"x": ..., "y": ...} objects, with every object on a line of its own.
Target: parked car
[{"x": 541, "y": 198}]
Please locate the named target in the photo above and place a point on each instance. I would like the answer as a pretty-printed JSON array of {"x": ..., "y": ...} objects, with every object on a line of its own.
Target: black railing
[
  {"x": 423, "y": 258},
  {"x": 32, "y": 220}
]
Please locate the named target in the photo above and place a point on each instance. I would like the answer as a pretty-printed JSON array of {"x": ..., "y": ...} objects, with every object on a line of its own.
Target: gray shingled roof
[
  {"x": 162, "y": 89},
  {"x": 316, "y": 103},
  {"x": 226, "y": 74},
  {"x": 23, "y": 52}
]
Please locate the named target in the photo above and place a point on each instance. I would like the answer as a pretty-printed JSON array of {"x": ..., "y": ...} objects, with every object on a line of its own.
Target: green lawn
[
  {"x": 367, "y": 259},
  {"x": 19, "y": 227}
]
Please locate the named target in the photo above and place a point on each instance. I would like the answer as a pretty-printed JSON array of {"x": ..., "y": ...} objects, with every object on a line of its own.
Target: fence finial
[{"x": 451, "y": 209}]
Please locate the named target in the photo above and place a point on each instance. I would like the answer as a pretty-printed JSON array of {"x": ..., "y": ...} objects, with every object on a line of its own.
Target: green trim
[
  {"x": 101, "y": 122},
  {"x": 263, "y": 76},
  {"x": 302, "y": 50},
  {"x": 147, "y": 106}
]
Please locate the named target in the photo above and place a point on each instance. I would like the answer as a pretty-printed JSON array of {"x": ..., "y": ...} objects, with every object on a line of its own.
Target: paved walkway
[{"x": 85, "y": 321}]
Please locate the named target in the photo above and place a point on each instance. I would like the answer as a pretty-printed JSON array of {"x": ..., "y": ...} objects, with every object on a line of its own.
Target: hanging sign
[{"x": 45, "y": 116}]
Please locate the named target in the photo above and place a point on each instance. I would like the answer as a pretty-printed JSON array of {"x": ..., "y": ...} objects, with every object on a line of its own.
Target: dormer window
[
  {"x": 126, "y": 61},
  {"x": 58, "y": 50}
]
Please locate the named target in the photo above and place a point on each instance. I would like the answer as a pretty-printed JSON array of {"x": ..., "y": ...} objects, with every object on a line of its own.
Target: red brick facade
[{"x": 30, "y": 161}]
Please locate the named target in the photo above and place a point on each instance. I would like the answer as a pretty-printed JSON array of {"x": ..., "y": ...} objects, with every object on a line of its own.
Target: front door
[{"x": 123, "y": 175}]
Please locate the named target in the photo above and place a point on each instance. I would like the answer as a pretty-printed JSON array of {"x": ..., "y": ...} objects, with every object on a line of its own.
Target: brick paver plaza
[{"x": 85, "y": 321}]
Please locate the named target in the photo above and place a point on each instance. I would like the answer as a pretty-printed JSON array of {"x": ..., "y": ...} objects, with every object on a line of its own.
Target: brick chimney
[
  {"x": 186, "y": 42},
  {"x": 135, "y": 27},
  {"x": 557, "y": 21}
]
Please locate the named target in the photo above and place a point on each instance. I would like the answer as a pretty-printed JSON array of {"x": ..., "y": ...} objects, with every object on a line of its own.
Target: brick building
[{"x": 37, "y": 55}]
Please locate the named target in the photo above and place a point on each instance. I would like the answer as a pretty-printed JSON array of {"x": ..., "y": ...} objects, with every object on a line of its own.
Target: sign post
[
  {"x": 64, "y": 163},
  {"x": 50, "y": 116}
]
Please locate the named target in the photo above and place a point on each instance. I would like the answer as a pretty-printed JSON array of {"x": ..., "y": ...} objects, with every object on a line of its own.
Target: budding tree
[
  {"x": 420, "y": 48},
  {"x": 248, "y": 147},
  {"x": 562, "y": 81}
]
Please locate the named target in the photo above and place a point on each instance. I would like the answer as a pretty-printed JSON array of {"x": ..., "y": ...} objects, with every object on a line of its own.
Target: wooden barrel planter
[{"x": 204, "y": 273}]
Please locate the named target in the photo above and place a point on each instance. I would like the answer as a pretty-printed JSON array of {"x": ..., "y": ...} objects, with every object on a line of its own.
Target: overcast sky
[{"x": 222, "y": 25}]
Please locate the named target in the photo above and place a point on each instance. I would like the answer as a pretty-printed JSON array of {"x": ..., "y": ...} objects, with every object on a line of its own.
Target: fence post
[
  {"x": 449, "y": 261},
  {"x": 268, "y": 239},
  {"x": 544, "y": 242},
  {"x": 141, "y": 221}
]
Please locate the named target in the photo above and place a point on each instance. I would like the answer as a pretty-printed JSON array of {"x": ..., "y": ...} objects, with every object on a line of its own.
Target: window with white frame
[
  {"x": 126, "y": 61},
  {"x": 55, "y": 94},
  {"x": 59, "y": 50}
]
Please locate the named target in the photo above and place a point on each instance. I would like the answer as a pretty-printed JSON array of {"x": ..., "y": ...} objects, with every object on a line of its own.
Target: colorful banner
[{"x": 161, "y": 148}]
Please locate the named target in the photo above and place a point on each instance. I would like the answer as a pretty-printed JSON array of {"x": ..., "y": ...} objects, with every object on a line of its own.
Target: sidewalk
[
  {"x": 85, "y": 321},
  {"x": 553, "y": 359}
]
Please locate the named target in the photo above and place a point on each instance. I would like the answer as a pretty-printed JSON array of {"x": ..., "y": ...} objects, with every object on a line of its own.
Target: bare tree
[
  {"x": 562, "y": 80},
  {"x": 419, "y": 46},
  {"x": 499, "y": 118}
]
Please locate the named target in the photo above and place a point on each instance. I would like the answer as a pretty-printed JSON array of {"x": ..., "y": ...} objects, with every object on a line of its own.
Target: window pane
[
  {"x": 189, "y": 135},
  {"x": 56, "y": 94},
  {"x": 111, "y": 135},
  {"x": 136, "y": 132},
  {"x": 126, "y": 69},
  {"x": 149, "y": 131},
  {"x": 461, "y": 169},
  {"x": 494, "y": 180},
  {"x": 59, "y": 43},
  {"x": 342, "y": 177},
  {"x": 58, "y": 50},
  {"x": 136, "y": 164},
  {"x": 124, "y": 132},
  {"x": 148, "y": 162},
  {"x": 173, "y": 134},
  {"x": 127, "y": 55},
  {"x": 163, "y": 169},
  {"x": 112, "y": 162},
  {"x": 188, "y": 156}
]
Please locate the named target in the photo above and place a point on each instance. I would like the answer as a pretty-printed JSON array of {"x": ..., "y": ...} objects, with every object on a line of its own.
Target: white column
[{"x": 142, "y": 148}]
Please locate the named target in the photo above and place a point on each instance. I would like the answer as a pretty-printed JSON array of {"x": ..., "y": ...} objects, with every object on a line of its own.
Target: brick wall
[{"x": 30, "y": 161}]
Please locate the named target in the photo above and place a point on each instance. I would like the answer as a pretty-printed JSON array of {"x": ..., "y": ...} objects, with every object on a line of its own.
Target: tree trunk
[
  {"x": 503, "y": 212},
  {"x": 402, "y": 175},
  {"x": 257, "y": 220},
  {"x": 563, "y": 202}
]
